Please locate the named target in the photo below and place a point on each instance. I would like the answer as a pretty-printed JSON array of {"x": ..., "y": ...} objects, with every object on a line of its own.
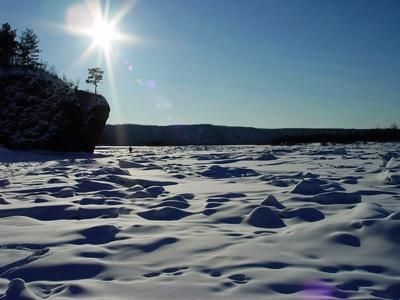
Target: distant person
[{"x": 130, "y": 149}]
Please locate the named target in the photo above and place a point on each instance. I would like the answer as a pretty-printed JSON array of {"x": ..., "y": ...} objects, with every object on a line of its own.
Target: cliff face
[{"x": 40, "y": 111}]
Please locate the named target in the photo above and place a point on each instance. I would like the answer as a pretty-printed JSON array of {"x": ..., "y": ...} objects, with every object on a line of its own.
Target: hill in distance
[{"x": 206, "y": 134}]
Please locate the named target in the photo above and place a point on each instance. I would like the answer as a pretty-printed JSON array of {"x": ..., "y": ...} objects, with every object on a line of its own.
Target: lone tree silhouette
[
  {"x": 95, "y": 76},
  {"x": 8, "y": 45},
  {"x": 28, "y": 49}
]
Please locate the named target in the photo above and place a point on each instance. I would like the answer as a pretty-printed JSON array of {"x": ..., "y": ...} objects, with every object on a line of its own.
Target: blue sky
[{"x": 261, "y": 63}]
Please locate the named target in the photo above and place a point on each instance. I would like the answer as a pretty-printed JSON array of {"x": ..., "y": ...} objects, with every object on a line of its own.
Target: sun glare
[
  {"x": 103, "y": 34},
  {"x": 91, "y": 19}
]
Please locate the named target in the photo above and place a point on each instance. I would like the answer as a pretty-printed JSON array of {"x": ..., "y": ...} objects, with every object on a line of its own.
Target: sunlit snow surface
[{"x": 220, "y": 222}]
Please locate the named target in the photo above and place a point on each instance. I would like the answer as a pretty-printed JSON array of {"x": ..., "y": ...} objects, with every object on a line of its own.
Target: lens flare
[
  {"x": 151, "y": 84},
  {"x": 317, "y": 290}
]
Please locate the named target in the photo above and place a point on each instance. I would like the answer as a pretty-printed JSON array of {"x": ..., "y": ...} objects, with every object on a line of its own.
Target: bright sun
[
  {"x": 89, "y": 18},
  {"x": 103, "y": 34}
]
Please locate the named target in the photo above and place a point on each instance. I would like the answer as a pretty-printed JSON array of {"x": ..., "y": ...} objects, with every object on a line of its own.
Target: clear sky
[{"x": 261, "y": 63}]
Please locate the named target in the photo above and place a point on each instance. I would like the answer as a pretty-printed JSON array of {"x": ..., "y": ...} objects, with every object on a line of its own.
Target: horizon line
[{"x": 253, "y": 127}]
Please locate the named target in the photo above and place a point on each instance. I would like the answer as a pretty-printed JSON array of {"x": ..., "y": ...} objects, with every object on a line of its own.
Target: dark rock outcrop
[{"x": 40, "y": 111}]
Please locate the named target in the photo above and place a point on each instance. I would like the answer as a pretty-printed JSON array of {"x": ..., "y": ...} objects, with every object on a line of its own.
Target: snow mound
[
  {"x": 266, "y": 157},
  {"x": 336, "y": 198},
  {"x": 308, "y": 214},
  {"x": 17, "y": 290},
  {"x": 307, "y": 187},
  {"x": 264, "y": 217},
  {"x": 165, "y": 213},
  {"x": 369, "y": 211},
  {"x": 390, "y": 177},
  {"x": 129, "y": 164},
  {"x": 272, "y": 201},
  {"x": 218, "y": 172}
]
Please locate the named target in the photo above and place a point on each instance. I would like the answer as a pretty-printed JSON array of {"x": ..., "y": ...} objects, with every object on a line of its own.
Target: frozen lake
[{"x": 210, "y": 222}]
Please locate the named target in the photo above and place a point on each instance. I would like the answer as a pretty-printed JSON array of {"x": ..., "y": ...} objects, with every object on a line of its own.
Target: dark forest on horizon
[{"x": 205, "y": 134}]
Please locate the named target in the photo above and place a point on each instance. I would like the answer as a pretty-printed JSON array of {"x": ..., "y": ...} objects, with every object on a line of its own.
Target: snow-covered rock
[{"x": 40, "y": 111}]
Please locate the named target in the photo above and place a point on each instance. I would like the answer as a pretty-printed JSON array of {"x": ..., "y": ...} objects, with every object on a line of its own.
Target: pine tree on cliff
[
  {"x": 8, "y": 45},
  {"x": 95, "y": 77},
  {"x": 28, "y": 49}
]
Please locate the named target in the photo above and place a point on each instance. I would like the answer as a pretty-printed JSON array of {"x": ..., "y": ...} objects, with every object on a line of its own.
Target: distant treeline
[
  {"x": 181, "y": 135},
  {"x": 22, "y": 53}
]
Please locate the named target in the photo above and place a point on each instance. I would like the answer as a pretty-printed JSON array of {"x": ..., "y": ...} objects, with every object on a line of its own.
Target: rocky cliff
[{"x": 40, "y": 111}]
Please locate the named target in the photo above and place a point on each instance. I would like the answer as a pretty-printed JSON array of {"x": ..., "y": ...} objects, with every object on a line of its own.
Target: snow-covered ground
[{"x": 228, "y": 222}]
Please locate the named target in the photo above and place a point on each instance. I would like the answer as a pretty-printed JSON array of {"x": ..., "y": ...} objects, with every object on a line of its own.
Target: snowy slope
[{"x": 227, "y": 222}]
